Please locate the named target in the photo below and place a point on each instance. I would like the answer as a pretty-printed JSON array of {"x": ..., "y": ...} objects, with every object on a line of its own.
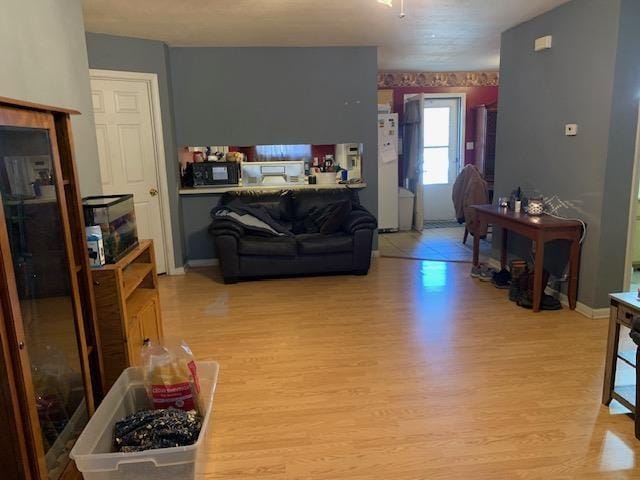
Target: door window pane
[
  {"x": 436, "y": 166},
  {"x": 436, "y": 127},
  {"x": 38, "y": 251}
]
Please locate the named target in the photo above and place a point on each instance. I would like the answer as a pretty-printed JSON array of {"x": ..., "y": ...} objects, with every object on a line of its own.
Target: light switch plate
[
  {"x": 571, "y": 129},
  {"x": 470, "y": 146}
]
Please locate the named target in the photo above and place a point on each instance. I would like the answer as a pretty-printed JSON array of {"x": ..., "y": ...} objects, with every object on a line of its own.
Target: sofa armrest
[
  {"x": 362, "y": 245},
  {"x": 226, "y": 249},
  {"x": 225, "y": 227},
  {"x": 359, "y": 219}
]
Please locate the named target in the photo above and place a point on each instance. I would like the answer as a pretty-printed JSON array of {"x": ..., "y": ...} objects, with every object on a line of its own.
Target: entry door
[
  {"x": 441, "y": 156},
  {"x": 126, "y": 150}
]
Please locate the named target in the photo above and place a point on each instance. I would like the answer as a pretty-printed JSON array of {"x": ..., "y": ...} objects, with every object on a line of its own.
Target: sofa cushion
[
  {"x": 274, "y": 246},
  {"x": 317, "y": 243},
  {"x": 279, "y": 205},
  {"x": 329, "y": 218},
  {"x": 304, "y": 200}
]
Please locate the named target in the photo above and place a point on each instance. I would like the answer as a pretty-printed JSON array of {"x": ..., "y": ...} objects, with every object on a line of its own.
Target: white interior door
[
  {"x": 126, "y": 151},
  {"x": 441, "y": 156}
]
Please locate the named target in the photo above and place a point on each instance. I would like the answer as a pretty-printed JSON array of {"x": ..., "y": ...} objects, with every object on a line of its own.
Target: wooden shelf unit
[{"x": 128, "y": 308}]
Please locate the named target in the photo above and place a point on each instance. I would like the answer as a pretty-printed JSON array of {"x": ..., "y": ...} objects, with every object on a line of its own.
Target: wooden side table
[
  {"x": 623, "y": 308},
  {"x": 540, "y": 229}
]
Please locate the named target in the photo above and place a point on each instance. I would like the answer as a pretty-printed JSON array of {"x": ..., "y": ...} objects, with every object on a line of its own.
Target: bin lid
[{"x": 404, "y": 193}]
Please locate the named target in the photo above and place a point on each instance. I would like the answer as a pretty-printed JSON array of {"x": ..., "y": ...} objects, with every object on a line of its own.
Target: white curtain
[
  {"x": 269, "y": 153},
  {"x": 412, "y": 147}
]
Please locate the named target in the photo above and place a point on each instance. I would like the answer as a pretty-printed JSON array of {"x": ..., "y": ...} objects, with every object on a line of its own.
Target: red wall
[{"x": 475, "y": 96}]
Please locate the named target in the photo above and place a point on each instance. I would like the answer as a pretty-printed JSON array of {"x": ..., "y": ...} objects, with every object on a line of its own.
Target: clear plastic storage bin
[{"x": 93, "y": 452}]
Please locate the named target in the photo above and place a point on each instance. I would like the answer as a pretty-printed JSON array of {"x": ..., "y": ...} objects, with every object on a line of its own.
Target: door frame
[
  {"x": 151, "y": 82},
  {"x": 633, "y": 209},
  {"x": 462, "y": 144}
]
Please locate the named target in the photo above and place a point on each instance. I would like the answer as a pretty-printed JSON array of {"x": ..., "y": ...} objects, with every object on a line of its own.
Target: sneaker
[
  {"x": 482, "y": 273},
  {"x": 546, "y": 303},
  {"x": 525, "y": 300},
  {"x": 550, "y": 303},
  {"x": 501, "y": 279}
]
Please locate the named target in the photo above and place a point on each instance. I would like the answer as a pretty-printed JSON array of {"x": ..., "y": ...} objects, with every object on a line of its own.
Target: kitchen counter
[{"x": 240, "y": 188}]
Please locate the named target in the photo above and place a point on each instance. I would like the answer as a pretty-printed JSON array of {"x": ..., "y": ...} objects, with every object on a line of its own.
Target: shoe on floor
[
  {"x": 501, "y": 279},
  {"x": 547, "y": 302},
  {"x": 514, "y": 291},
  {"x": 550, "y": 303},
  {"x": 482, "y": 273},
  {"x": 525, "y": 300}
]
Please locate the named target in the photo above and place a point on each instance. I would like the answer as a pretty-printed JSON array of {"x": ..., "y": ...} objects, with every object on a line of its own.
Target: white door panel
[
  {"x": 131, "y": 151},
  {"x": 103, "y": 155},
  {"x": 126, "y": 151},
  {"x": 441, "y": 156},
  {"x": 126, "y": 102}
]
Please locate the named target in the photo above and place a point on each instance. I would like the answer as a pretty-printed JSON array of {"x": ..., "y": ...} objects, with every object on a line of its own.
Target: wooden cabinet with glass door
[{"x": 50, "y": 365}]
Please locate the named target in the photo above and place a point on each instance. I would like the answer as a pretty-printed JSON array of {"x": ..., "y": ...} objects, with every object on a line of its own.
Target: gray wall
[
  {"x": 574, "y": 82},
  {"x": 195, "y": 215},
  {"x": 248, "y": 96},
  {"x": 43, "y": 59},
  {"x": 621, "y": 152},
  {"x": 110, "y": 52}
]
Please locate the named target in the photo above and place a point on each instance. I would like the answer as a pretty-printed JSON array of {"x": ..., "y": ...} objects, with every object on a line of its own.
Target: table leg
[
  {"x": 538, "y": 273},
  {"x": 574, "y": 262},
  {"x": 636, "y": 418},
  {"x": 611, "y": 357},
  {"x": 503, "y": 251},
  {"x": 476, "y": 250}
]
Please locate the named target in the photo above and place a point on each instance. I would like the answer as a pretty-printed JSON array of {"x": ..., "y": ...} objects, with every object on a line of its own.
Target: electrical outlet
[{"x": 571, "y": 129}]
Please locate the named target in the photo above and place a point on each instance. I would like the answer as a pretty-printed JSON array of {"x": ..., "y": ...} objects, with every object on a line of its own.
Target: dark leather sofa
[{"x": 244, "y": 256}]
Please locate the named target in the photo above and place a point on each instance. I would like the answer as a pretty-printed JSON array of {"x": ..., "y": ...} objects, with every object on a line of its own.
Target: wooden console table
[{"x": 539, "y": 229}]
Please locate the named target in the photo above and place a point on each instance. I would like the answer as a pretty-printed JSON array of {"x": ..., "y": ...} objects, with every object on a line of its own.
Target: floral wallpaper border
[{"x": 438, "y": 79}]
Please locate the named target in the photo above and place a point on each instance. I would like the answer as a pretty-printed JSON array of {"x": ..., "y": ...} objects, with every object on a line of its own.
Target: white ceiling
[{"x": 436, "y": 35}]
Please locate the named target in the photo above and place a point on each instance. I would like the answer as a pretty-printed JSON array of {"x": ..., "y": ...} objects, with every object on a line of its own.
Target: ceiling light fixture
[{"x": 389, "y": 3}]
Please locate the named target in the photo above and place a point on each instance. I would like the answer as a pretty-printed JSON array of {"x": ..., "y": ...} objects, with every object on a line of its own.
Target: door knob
[{"x": 153, "y": 192}]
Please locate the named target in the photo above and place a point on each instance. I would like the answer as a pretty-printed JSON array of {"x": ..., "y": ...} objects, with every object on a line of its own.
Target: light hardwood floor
[
  {"x": 415, "y": 371},
  {"x": 431, "y": 244}
]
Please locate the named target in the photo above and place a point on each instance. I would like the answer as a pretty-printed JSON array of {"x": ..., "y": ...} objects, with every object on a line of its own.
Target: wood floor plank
[{"x": 415, "y": 371}]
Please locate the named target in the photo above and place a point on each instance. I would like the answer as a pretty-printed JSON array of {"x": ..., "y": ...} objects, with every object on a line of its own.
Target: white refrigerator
[{"x": 388, "y": 172}]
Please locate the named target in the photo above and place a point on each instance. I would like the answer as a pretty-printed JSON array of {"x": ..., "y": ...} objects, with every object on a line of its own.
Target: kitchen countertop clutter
[
  {"x": 231, "y": 188},
  {"x": 220, "y": 169}
]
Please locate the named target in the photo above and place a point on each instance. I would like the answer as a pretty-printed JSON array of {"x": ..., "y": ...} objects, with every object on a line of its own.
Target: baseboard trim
[
  {"x": 203, "y": 262},
  {"x": 581, "y": 308},
  {"x": 177, "y": 271}
]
